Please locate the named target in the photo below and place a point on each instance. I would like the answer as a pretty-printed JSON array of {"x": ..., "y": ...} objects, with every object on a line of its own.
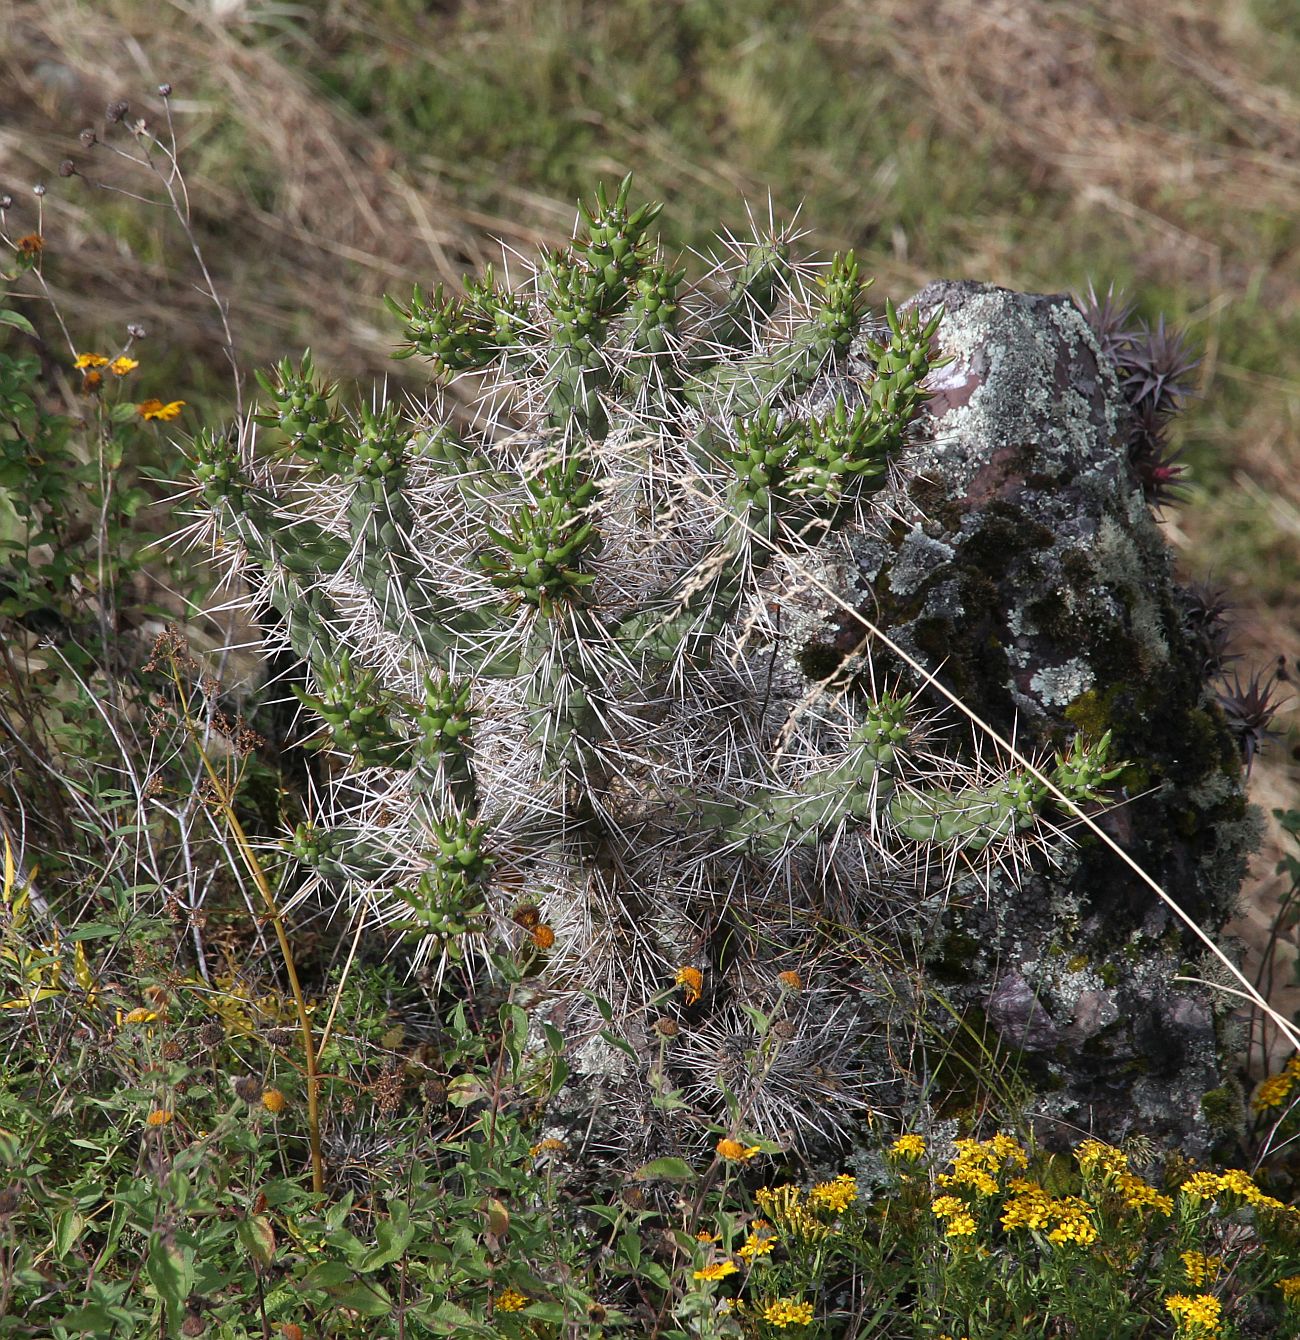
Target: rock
[{"x": 1021, "y": 564}]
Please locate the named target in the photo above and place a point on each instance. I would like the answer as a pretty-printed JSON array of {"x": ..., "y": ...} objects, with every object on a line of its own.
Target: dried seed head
[
  {"x": 249, "y": 1088},
  {"x": 88, "y": 137},
  {"x": 783, "y": 1029},
  {"x": 115, "y": 111},
  {"x": 172, "y": 1050},
  {"x": 136, "y": 331},
  {"x": 39, "y": 189},
  {"x": 193, "y": 1325},
  {"x": 667, "y": 1028},
  {"x": 6, "y": 202},
  {"x": 164, "y": 90},
  {"x": 212, "y": 1033},
  {"x": 67, "y": 168}
]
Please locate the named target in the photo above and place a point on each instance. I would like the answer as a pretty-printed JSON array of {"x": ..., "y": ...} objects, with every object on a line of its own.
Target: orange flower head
[
  {"x": 734, "y": 1152},
  {"x": 155, "y": 409},
  {"x": 691, "y": 980},
  {"x": 30, "y": 245},
  {"x": 121, "y": 365},
  {"x": 543, "y": 937},
  {"x": 274, "y": 1101},
  {"x": 160, "y": 1116},
  {"x": 527, "y": 916},
  {"x": 791, "y": 981}
]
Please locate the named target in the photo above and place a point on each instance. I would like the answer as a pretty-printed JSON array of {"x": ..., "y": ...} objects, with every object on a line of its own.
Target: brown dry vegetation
[{"x": 336, "y": 153}]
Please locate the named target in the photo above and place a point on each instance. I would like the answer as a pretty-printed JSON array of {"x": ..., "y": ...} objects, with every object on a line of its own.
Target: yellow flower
[
  {"x": 139, "y": 1016},
  {"x": 1073, "y": 1223},
  {"x": 755, "y": 1246},
  {"x": 1290, "y": 1290},
  {"x": 1200, "y": 1186},
  {"x": 1195, "y": 1317},
  {"x": 946, "y": 1206},
  {"x": 1031, "y": 1208},
  {"x": 543, "y": 937},
  {"x": 85, "y": 361},
  {"x": 1140, "y": 1195},
  {"x": 960, "y": 1226},
  {"x": 691, "y": 980},
  {"x": 510, "y": 1300},
  {"x": 160, "y": 1116},
  {"x": 791, "y": 981},
  {"x": 837, "y": 1195},
  {"x": 121, "y": 365},
  {"x": 783, "y": 1312},
  {"x": 719, "y": 1271},
  {"x": 155, "y": 409},
  {"x": 910, "y": 1147},
  {"x": 734, "y": 1152},
  {"x": 274, "y": 1101},
  {"x": 1095, "y": 1157},
  {"x": 548, "y": 1146},
  {"x": 1200, "y": 1268},
  {"x": 705, "y": 1236}
]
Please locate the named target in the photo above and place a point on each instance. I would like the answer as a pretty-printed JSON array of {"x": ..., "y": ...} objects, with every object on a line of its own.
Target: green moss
[
  {"x": 1222, "y": 1108},
  {"x": 1109, "y": 974},
  {"x": 1078, "y": 963}
]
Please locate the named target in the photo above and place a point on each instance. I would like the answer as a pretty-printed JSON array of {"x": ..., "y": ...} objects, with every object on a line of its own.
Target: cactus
[{"x": 561, "y": 649}]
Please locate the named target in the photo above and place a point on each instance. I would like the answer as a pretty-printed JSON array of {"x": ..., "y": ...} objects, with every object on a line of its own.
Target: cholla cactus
[{"x": 561, "y": 650}]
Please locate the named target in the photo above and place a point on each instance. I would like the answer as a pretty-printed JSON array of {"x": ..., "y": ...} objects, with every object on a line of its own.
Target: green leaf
[
  {"x": 391, "y": 1245},
  {"x": 546, "y": 1312},
  {"x": 171, "y": 1274},
  {"x": 371, "y": 1300},
  {"x": 258, "y": 1238},
  {"x": 67, "y": 1231},
  {"x": 18, "y": 321},
  {"x": 668, "y": 1170}
]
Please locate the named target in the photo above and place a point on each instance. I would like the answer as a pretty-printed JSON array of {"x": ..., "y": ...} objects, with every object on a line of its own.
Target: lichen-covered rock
[{"x": 1022, "y": 566}]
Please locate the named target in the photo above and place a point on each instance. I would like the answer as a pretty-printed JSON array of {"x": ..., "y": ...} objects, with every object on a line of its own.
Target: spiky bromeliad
[{"x": 561, "y": 647}]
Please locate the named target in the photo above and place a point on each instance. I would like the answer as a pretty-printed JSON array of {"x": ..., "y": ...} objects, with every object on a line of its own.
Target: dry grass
[{"x": 1028, "y": 143}]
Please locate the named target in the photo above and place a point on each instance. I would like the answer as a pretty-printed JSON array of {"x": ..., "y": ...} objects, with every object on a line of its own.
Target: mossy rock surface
[{"x": 1023, "y": 566}]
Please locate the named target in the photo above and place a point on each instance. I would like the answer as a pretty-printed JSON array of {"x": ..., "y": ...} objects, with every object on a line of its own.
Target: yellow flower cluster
[
  {"x": 1200, "y": 1186},
  {"x": 718, "y": 1271},
  {"x": 1290, "y": 1290},
  {"x": 510, "y": 1300},
  {"x": 1095, "y": 1158},
  {"x": 1207, "y": 1185},
  {"x": 784, "y": 1205},
  {"x": 910, "y": 1147},
  {"x": 835, "y": 1196},
  {"x": 783, "y": 1312},
  {"x": 979, "y": 1163},
  {"x": 1198, "y": 1317},
  {"x": 1139, "y": 1195},
  {"x": 1241, "y": 1184},
  {"x": 958, "y": 1220},
  {"x": 1067, "y": 1219},
  {"x": 756, "y": 1245},
  {"x": 1201, "y": 1269},
  {"x": 160, "y": 1116},
  {"x": 1275, "y": 1090}
]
